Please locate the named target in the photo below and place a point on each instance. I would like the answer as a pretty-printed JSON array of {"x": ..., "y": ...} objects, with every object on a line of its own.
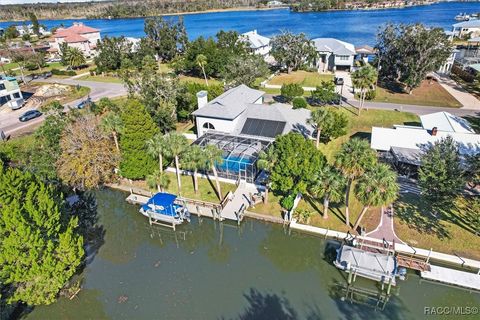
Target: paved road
[{"x": 10, "y": 124}]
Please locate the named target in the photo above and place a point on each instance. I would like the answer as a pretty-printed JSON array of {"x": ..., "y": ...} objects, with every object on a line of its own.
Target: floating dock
[
  {"x": 462, "y": 279},
  {"x": 375, "y": 266}
]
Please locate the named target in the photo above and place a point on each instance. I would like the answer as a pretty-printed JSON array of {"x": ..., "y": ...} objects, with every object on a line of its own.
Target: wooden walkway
[
  {"x": 454, "y": 277},
  {"x": 238, "y": 202}
]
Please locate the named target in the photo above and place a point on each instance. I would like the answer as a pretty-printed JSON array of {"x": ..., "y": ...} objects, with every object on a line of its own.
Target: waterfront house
[
  {"x": 28, "y": 29},
  {"x": 333, "y": 54},
  {"x": 241, "y": 125},
  {"x": 10, "y": 93},
  {"x": 404, "y": 145},
  {"x": 77, "y": 36},
  {"x": 257, "y": 43},
  {"x": 469, "y": 28}
]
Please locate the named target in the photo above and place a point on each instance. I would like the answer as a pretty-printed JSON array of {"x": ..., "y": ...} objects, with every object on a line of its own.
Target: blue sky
[{"x": 44, "y": 1}]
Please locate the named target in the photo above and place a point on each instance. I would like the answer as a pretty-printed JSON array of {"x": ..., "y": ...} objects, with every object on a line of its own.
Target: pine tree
[
  {"x": 40, "y": 248},
  {"x": 138, "y": 128}
]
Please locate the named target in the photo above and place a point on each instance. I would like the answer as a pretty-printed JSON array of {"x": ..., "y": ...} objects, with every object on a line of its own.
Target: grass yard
[
  {"x": 206, "y": 188},
  {"x": 472, "y": 87},
  {"x": 164, "y": 68},
  {"x": 361, "y": 126},
  {"x": 451, "y": 232},
  {"x": 211, "y": 81},
  {"x": 99, "y": 78},
  {"x": 430, "y": 93},
  {"x": 303, "y": 78},
  {"x": 185, "y": 127}
]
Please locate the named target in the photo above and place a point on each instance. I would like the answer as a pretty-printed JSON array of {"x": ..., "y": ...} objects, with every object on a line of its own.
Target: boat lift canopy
[{"x": 163, "y": 203}]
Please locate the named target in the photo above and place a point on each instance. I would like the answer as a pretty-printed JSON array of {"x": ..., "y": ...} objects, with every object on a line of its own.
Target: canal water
[
  {"x": 208, "y": 270},
  {"x": 358, "y": 26}
]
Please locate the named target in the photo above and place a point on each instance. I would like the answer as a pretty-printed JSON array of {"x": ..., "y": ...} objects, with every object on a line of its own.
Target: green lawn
[
  {"x": 430, "y": 93},
  {"x": 211, "y": 81},
  {"x": 206, "y": 188},
  {"x": 303, "y": 78},
  {"x": 361, "y": 126},
  {"x": 452, "y": 231},
  {"x": 99, "y": 78}
]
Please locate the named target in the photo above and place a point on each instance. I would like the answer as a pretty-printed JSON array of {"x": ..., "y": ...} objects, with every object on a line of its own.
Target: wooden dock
[{"x": 454, "y": 277}]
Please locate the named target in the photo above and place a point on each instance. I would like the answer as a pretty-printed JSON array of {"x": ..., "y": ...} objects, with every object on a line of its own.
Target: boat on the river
[
  {"x": 462, "y": 17},
  {"x": 165, "y": 209}
]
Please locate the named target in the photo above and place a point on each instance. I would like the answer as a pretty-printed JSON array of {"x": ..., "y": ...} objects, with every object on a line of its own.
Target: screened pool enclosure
[{"x": 240, "y": 154}]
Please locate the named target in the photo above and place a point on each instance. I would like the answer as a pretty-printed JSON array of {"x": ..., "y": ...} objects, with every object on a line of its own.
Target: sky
[{"x": 44, "y": 1}]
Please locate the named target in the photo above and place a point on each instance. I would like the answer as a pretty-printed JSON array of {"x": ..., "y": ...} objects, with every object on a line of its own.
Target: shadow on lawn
[{"x": 474, "y": 121}]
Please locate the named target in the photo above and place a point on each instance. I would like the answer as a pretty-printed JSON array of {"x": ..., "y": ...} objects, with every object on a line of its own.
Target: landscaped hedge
[
  {"x": 57, "y": 72},
  {"x": 466, "y": 76}
]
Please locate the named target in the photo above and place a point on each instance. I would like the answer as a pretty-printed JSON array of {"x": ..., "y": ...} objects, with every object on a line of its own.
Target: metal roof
[
  {"x": 468, "y": 24},
  {"x": 335, "y": 46},
  {"x": 445, "y": 121},
  {"x": 384, "y": 139},
  {"x": 255, "y": 40}
]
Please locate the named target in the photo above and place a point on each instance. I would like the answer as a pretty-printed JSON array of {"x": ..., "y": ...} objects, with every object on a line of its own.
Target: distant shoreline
[{"x": 236, "y": 9}]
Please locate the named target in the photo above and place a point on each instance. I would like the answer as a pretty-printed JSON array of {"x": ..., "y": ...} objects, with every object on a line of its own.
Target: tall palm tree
[
  {"x": 353, "y": 160},
  {"x": 214, "y": 157},
  {"x": 363, "y": 79},
  {"x": 157, "y": 147},
  {"x": 266, "y": 161},
  {"x": 330, "y": 185},
  {"x": 195, "y": 159},
  {"x": 178, "y": 144},
  {"x": 377, "y": 187},
  {"x": 75, "y": 58},
  {"x": 317, "y": 119},
  {"x": 112, "y": 123},
  {"x": 158, "y": 179},
  {"x": 201, "y": 61}
]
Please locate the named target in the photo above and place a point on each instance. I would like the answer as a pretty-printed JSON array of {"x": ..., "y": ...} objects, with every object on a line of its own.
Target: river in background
[
  {"x": 358, "y": 26},
  {"x": 209, "y": 270}
]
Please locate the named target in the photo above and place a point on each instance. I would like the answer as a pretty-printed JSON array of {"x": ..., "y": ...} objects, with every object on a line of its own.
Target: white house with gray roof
[
  {"x": 241, "y": 111},
  {"x": 471, "y": 27},
  {"x": 257, "y": 43},
  {"x": 333, "y": 54}
]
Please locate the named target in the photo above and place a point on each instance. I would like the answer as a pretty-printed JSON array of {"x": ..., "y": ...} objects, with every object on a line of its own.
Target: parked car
[
  {"x": 47, "y": 74},
  {"x": 84, "y": 103},
  {"x": 338, "y": 81},
  {"x": 29, "y": 115}
]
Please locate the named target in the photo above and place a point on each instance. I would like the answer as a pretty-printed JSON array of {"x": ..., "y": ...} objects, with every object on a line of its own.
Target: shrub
[
  {"x": 299, "y": 102},
  {"x": 370, "y": 94},
  {"x": 291, "y": 90},
  {"x": 57, "y": 72},
  {"x": 287, "y": 202}
]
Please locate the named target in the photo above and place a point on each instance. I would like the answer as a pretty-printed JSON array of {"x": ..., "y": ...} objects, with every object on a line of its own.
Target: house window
[
  {"x": 2, "y": 86},
  {"x": 16, "y": 95},
  {"x": 343, "y": 58},
  {"x": 208, "y": 125}
]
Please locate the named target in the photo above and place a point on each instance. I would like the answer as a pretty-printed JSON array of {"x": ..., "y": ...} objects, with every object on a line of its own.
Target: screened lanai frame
[{"x": 240, "y": 153}]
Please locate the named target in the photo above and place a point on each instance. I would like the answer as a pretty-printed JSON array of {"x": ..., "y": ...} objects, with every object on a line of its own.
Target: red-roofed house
[{"x": 77, "y": 36}]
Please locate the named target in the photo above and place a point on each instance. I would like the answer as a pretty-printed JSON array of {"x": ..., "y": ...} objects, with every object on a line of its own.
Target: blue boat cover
[{"x": 163, "y": 202}]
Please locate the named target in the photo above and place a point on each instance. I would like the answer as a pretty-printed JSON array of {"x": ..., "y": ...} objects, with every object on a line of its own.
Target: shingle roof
[
  {"x": 335, "y": 46},
  {"x": 80, "y": 28},
  {"x": 230, "y": 104},
  {"x": 445, "y": 121},
  {"x": 468, "y": 24},
  {"x": 255, "y": 40}
]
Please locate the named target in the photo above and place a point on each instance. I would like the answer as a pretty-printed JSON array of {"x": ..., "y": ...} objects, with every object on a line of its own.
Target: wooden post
[
  {"x": 389, "y": 286},
  {"x": 349, "y": 281},
  {"x": 429, "y": 253}
]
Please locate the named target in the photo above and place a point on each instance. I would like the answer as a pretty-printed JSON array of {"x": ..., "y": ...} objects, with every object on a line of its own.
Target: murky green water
[{"x": 208, "y": 270}]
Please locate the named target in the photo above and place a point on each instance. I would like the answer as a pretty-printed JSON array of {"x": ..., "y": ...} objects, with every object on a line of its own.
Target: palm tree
[
  {"x": 377, "y": 187},
  {"x": 75, "y": 58},
  {"x": 317, "y": 119},
  {"x": 158, "y": 179},
  {"x": 214, "y": 157},
  {"x": 266, "y": 161},
  {"x": 177, "y": 144},
  {"x": 157, "y": 147},
  {"x": 355, "y": 157},
  {"x": 195, "y": 159},
  {"x": 330, "y": 185},
  {"x": 112, "y": 123},
  {"x": 363, "y": 79},
  {"x": 201, "y": 61}
]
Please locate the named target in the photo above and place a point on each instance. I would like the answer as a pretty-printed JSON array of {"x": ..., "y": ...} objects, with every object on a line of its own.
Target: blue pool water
[
  {"x": 233, "y": 165},
  {"x": 358, "y": 27}
]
